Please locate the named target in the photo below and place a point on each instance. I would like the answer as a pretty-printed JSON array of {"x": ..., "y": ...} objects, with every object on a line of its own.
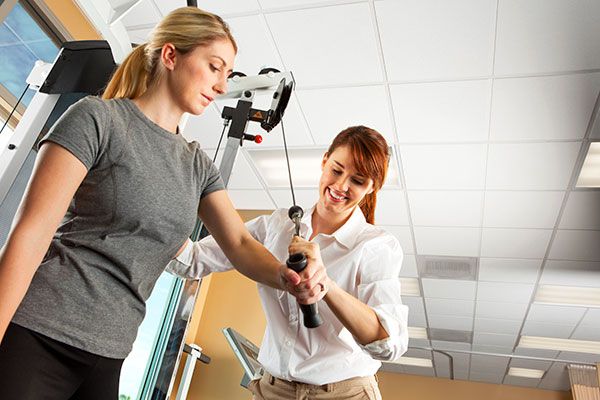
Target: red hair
[{"x": 370, "y": 154}]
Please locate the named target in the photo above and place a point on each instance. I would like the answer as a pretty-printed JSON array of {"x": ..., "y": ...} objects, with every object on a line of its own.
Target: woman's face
[
  {"x": 342, "y": 187},
  {"x": 198, "y": 76}
]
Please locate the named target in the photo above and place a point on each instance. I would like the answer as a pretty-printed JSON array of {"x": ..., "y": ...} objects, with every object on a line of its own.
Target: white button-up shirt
[{"x": 361, "y": 258}]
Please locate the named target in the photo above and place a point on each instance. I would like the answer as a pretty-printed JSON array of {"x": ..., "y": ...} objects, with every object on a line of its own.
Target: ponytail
[
  {"x": 367, "y": 206},
  {"x": 130, "y": 79}
]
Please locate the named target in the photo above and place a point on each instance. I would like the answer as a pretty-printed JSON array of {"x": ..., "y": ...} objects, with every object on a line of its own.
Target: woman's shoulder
[{"x": 375, "y": 237}]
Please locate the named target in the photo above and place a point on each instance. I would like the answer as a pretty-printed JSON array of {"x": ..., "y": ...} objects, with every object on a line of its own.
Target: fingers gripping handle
[{"x": 312, "y": 319}]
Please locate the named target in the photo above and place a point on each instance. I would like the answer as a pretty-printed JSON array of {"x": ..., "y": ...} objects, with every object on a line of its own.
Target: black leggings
[{"x": 35, "y": 367}]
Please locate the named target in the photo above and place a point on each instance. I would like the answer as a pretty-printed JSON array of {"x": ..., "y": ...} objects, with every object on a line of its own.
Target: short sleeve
[
  {"x": 211, "y": 180},
  {"x": 82, "y": 130}
]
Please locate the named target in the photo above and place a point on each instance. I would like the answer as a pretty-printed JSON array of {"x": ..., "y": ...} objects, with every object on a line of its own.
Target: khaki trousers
[{"x": 271, "y": 388}]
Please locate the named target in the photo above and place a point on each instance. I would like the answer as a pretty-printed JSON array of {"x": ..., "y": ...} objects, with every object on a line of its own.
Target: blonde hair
[{"x": 185, "y": 28}]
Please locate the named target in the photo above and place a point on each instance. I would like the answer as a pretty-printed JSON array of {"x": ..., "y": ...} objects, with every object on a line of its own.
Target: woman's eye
[
  {"x": 213, "y": 68},
  {"x": 358, "y": 182},
  {"x": 337, "y": 172}
]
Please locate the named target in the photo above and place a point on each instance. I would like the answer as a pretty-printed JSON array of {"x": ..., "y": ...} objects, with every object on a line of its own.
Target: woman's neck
[
  {"x": 327, "y": 222},
  {"x": 163, "y": 113}
]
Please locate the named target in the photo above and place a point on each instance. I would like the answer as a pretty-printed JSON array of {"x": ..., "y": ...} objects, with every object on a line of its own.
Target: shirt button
[{"x": 288, "y": 342}]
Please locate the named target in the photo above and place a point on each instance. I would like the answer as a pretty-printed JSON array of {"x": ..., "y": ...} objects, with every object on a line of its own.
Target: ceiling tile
[
  {"x": 488, "y": 363},
  {"x": 486, "y": 348},
  {"x": 412, "y": 342},
  {"x": 581, "y": 357},
  {"x": 144, "y": 13},
  {"x": 305, "y": 198},
  {"x": 582, "y": 211},
  {"x": 490, "y": 309},
  {"x": 542, "y": 108},
  {"x": 139, "y": 35},
  {"x": 446, "y": 208},
  {"x": 596, "y": 128},
  {"x": 345, "y": 35},
  {"x": 442, "y": 364},
  {"x": 478, "y": 376},
  {"x": 542, "y": 329},
  {"x": 587, "y": 332},
  {"x": 524, "y": 30},
  {"x": 461, "y": 111},
  {"x": 514, "y": 243},
  {"x": 556, "y": 378},
  {"x": 447, "y": 241},
  {"x": 494, "y": 339},
  {"x": 329, "y": 111},
  {"x": 448, "y": 289},
  {"x": 493, "y": 325},
  {"x": 277, "y": 4},
  {"x": 214, "y": 6},
  {"x": 508, "y": 270},
  {"x": 242, "y": 175},
  {"x": 444, "y": 167},
  {"x": 255, "y": 45},
  {"x": 431, "y": 40},
  {"x": 391, "y": 207},
  {"x": 563, "y": 315},
  {"x": 450, "y": 322},
  {"x": 452, "y": 307},
  {"x": 403, "y": 235},
  {"x": 409, "y": 267},
  {"x": 592, "y": 318},
  {"x": 576, "y": 245},
  {"x": 414, "y": 304},
  {"x": 509, "y": 209},
  {"x": 571, "y": 273},
  {"x": 251, "y": 200},
  {"x": 531, "y": 166},
  {"x": 504, "y": 292},
  {"x": 417, "y": 320}
]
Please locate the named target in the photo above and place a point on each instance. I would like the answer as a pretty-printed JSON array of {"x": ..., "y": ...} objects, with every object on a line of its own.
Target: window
[{"x": 24, "y": 38}]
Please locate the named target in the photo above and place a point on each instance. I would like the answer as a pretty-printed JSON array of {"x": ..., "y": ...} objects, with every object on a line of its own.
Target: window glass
[
  {"x": 22, "y": 43},
  {"x": 137, "y": 362}
]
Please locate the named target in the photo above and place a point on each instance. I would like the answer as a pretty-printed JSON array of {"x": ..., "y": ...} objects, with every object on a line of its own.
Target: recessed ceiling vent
[
  {"x": 450, "y": 335},
  {"x": 446, "y": 267}
]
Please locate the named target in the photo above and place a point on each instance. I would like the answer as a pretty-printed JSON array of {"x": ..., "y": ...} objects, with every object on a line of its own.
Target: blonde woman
[{"x": 114, "y": 194}]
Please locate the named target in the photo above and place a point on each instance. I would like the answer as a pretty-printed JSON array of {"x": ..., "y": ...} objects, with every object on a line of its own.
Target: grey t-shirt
[{"x": 134, "y": 209}]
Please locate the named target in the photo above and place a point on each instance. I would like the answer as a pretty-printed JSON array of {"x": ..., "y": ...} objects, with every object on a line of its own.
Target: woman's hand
[{"x": 312, "y": 283}]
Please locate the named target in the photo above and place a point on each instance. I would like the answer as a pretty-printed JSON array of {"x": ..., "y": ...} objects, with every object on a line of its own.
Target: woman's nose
[{"x": 221, "y": 85}]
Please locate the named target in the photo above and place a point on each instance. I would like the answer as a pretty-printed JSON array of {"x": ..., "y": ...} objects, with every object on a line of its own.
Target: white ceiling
[{"x": 489, "y": 106}]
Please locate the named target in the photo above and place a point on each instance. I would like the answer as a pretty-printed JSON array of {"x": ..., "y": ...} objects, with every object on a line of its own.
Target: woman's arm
[
  {"x": 56, "y": 176},
  {"x": 249, "y": 256},
  {"x": 360, "y": 319}
]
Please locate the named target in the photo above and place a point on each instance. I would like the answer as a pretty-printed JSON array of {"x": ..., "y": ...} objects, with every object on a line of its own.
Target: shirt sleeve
[
  {"x": 212, "y": 180},
  {"x": 82, "y": 130},
  {"x": 199, "y": 259},
  {"x": 380, "y": 289}
]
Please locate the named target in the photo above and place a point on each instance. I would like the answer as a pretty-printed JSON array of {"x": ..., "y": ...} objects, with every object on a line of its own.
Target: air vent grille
[{"x": 445, "y": 267}]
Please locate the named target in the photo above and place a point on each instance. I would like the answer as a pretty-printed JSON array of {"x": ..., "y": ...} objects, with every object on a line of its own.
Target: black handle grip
[{"x": 312, "y": 318}]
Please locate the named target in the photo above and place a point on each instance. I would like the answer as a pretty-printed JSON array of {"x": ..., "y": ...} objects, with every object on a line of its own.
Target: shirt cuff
[{"x": 396, "y": 344}]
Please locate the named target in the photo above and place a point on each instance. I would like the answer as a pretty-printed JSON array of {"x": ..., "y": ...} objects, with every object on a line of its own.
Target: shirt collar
[{"x": 347, "y": 234}]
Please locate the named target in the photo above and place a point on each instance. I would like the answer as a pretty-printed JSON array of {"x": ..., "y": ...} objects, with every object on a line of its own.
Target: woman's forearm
[
  {"x": 19, "y": 259},
  {"x": 360, "y": 319}
]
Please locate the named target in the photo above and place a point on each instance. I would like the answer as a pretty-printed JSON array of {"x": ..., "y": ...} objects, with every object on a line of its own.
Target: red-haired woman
[{"x": 364, "y": 319}]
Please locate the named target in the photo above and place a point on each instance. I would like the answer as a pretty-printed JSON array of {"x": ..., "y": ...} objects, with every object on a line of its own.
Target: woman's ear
[
  {"x": 324, "y": 161},
  {"x": 168, "y": 56}
]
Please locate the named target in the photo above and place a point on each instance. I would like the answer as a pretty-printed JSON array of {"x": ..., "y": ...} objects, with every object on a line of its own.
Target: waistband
[{"x": 328, "y": 387}]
